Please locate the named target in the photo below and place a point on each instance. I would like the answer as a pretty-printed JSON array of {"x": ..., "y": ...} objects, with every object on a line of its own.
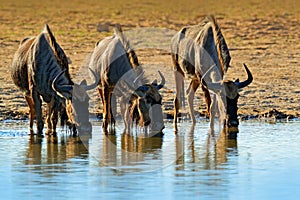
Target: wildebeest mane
[
  {"x": 223, "y": 52},
  {"x": 119, "y": 32},
  {"x": 131, "y": 55}
]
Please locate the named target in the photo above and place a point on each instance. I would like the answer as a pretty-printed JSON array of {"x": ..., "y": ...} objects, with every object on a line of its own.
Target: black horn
[
  {"x": 96, "y": 78},
  {"x": 249, "y": 79},
  {"x": 163, "y": 81}
]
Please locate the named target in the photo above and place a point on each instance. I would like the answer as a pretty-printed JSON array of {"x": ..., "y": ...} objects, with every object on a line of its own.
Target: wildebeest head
[
  {"x": 76, "y": 100},
  {"x": 145, "y": 105},
  {"x": 232, "y": 95}
]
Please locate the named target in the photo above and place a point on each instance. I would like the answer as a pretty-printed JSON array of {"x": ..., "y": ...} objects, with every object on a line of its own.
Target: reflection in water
[
  {"x": 109, "y": 155},
  {"x": 59, "y": 149},
  {"x": 130, "y": 150},
  {"x": 34, "y": 153},
  {"x": 190, "y": 165},
  {"x": 133, "y": 152},
  {"x": 202, "y": 160},
  {"x": 211, "y": 154}
]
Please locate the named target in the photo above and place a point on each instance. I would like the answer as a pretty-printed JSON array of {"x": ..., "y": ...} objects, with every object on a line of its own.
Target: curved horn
[
  {"x": 61, "y": 90},
  {"x": 163, "y": 81},
  {"x": 249, "y": 79},
  {"x": 96, "y": 78}
]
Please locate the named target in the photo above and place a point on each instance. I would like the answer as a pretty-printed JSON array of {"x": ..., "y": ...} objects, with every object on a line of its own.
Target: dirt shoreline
[{"x": 264, "y": 35}]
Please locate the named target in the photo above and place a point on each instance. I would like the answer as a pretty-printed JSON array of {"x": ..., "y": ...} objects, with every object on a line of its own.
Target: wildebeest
[
  {"x": 116, "y": 62},
  {"x": 145, "y": 107},
  {"x": 200, "y": 52},
  {"x": 40, "y": 69}
]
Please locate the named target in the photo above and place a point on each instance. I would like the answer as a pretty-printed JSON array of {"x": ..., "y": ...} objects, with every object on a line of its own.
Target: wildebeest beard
[{"x": 231, "y": 112}]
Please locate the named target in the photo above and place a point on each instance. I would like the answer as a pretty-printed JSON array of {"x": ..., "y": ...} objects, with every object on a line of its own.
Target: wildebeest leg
[
  {"x": 127, "y": 120},
  {"x": 38, "y": 112},
  {"x": 30, "y": 103},
  {"x": 103, "y": 104},
  {"x": 207, "y": 99},
  {"x": 54, "y": 119},
  {"x": 178, "y": 94},
  {"x": 123, "y": 107},
  {"x": 63, "y": 116},
  {"x": 48, "y": 117},
  {"x": 213, "y": 112},
  {"x": 100, "y": 93},
  {"x": 190, "y": 94},
  {"x": 125, "y": 112},
  {"x": 106, "y": 109},
  {"x": 113, "y": 111}
]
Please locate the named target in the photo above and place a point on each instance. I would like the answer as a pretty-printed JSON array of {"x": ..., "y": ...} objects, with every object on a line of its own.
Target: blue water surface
[{"x": 263, "y": 163}]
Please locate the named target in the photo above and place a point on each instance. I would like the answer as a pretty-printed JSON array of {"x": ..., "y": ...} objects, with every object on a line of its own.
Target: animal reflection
[
  {"x": 58, "y": 150},
  {"x": 214, "y": 153},
  {"x": 134, "y": 149}
]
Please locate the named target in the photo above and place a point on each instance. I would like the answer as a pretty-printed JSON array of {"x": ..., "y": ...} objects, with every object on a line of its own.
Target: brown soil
[{"x": 263, "y": 34}]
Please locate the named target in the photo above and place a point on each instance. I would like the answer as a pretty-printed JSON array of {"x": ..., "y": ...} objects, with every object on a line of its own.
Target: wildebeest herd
[{"x": 40, "y": 68}]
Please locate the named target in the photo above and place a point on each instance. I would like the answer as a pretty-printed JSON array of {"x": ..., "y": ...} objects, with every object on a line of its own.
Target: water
[{"x": 263, "y": 163}]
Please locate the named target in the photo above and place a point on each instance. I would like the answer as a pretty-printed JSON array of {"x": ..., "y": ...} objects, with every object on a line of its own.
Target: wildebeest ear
[{"x": 83, "y": 82}]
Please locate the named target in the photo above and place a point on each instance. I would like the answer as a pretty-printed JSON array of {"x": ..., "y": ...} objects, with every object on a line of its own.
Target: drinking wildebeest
[
  {"x": 115, "y": 62},
  {"x": 145, "y": 107},
  {"x": 199, "y": 50},
  {"x": 40, "y": 69}
]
